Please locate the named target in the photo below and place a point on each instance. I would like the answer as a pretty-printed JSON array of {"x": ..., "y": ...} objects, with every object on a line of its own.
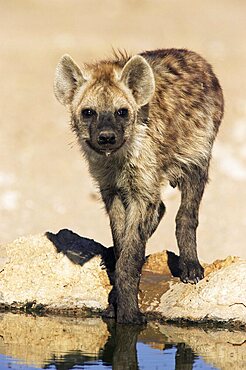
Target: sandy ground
[{"x": 44, "y": 183}]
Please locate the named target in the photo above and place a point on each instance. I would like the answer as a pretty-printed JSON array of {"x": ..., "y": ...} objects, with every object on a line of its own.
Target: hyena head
[{"x": 103, "y": 100}]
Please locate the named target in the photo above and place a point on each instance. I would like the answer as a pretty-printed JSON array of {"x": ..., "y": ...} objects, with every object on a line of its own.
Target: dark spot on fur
[
  {"x": 182, "y": 62},
  {"x": 187, "y": 114},
  {"x": 172, "y": 70},
  {"x": 173, "y": 136},
  {"x": 215, "y": 84},
  {"x": 196, "y": 104}
]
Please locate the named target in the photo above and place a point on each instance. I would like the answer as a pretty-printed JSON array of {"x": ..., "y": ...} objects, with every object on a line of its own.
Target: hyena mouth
[{"x": 107, "y": 151}]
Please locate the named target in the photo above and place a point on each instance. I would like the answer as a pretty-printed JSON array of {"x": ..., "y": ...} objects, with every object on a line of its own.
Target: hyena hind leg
[
  {"x": 192, "y": 187},
  {"x": 155, "y": 212}
]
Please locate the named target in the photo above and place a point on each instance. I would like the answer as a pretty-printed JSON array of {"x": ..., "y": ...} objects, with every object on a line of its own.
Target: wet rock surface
[{"x": 66, "y": 273}]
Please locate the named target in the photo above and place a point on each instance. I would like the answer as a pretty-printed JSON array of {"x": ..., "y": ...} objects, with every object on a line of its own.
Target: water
[{"x": 31, "y": 342}]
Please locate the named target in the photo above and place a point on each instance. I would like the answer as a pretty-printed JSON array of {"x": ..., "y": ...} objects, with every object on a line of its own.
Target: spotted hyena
[{"x": 141, "y": 122}]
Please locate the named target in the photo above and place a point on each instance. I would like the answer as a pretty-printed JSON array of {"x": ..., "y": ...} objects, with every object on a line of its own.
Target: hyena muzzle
[{"x": 141, "y": 122}]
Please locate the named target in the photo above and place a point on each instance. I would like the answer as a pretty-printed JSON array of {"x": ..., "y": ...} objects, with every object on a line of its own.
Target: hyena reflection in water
[{"x": 141, "y": 122}]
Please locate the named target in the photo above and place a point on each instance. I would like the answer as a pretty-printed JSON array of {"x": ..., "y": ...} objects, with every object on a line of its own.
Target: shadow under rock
[
  {"x": 173, "y": 264},
  {"x": 80, "y": 250}
]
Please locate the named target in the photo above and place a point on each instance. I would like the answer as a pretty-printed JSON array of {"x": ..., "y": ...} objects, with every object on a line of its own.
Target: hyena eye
[
  {"x": 122, "y": 112},
  {"x": 86, "y": 113}
]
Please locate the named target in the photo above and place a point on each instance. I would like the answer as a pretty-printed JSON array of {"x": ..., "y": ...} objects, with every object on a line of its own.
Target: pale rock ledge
[{"x": 68, "y": 274}]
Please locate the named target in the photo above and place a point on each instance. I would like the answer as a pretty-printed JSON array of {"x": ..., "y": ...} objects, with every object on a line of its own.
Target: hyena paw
[
  {"x": 136, "y": 318},
  {"x": 190, "y": 271},
  {"x": 109, "y": 313}
]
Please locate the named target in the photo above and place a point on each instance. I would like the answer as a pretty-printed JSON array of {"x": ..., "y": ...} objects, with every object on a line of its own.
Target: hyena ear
[
  {"x": 138, "y": 76},
  {"x": 68, "y": 77}
]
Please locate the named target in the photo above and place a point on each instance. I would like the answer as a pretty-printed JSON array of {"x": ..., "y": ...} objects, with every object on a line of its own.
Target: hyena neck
[{"x": 129, "y": 168}]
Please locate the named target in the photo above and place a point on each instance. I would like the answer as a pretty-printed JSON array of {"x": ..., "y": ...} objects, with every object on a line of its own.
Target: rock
[
  {"x": 219, "y": 264},
  {"x": 221, "y": 296},
  {"x": 39, "y": 273},
  {"x": 67, "y": 273}
]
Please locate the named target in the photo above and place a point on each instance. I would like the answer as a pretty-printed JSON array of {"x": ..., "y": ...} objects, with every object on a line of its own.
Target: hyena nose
[{"x": 106, "y": 137}]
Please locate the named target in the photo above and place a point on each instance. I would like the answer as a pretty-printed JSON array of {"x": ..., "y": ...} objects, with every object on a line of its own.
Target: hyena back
[{"x": 141, "y": 122}]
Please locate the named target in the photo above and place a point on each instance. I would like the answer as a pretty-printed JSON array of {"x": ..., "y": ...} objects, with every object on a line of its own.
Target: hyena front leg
[
  {"x": 141, "y": 221},
  {"x": 117, "y": 216},
  {"x": 192, "y": 187},
  {"x": 131, "y": 227}
]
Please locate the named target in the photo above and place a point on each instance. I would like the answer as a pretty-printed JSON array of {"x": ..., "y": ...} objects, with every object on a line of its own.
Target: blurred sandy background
[{"x": 44, "y": 183}]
